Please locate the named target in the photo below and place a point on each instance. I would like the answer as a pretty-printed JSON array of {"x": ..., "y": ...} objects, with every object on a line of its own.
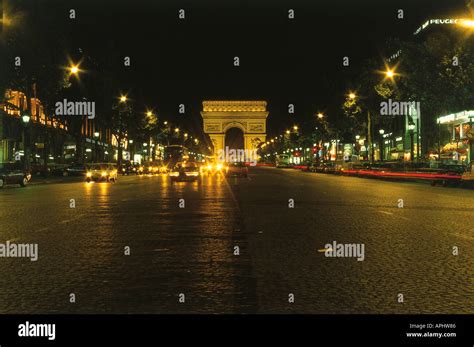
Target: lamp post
[
  {"x": 418, "y": 148},
  {"x": 381, "y": 150},
  {"x": 96, "y": 142},
  {"x": 411, "y": 127},
  {"x": 132, "y": 152},
  {"x": 26, "y": 148},
  {"x": 357, "y": 146},
  {"x": 471, "y": 140}
]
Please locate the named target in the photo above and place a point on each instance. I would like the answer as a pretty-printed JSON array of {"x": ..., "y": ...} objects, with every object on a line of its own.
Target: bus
[
  {"x": 173, "y": 154},
  {"x": 282, "y": 160}
]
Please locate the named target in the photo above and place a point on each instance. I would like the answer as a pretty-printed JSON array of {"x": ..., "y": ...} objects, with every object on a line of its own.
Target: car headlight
[
  {"x": 89, "y": 174},
  {"x": 103, "y": 173}
]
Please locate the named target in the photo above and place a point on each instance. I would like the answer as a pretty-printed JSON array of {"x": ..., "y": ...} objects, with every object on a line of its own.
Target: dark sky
[{"x": 282, "y": 61}]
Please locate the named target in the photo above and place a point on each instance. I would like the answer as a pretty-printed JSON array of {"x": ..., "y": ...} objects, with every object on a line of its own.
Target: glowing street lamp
[
  {"x": 411, "y": 127},
  {"x": 389, "y": 73},
  {"x": 26, "y": 148},
  {"x": 176, "y": 130},
  {"x": 352, "y": 96},
  {"x": 123, "y": 98},
  {"x": 26, "y": 119},
  {"x": 288, "y": 132},
  {"x": 149, "y": 113},
  {"x": 295, "y": 128},
  {"x": 381, "y": 151},
  {"x": 74, "y": 70},
  {"x": 320, "y": 115}
]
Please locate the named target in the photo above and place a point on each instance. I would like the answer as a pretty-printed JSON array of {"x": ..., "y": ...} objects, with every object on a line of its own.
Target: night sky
[{"x": 281, "y": 61}]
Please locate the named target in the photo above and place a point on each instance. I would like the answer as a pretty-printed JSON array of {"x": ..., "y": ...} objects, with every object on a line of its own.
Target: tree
[
  {"x": 439, "y": 74},
  {"x": 121, "y": 121}
]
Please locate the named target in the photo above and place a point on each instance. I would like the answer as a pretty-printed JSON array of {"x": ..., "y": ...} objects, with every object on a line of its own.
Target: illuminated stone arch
[{"x": 248, "y": 116}]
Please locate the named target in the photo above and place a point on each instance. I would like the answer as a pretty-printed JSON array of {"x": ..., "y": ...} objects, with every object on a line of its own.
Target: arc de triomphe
[{"x": 249, "y": 116}]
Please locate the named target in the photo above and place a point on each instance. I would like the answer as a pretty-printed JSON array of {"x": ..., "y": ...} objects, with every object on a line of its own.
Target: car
[
  {"x": 101, "y": 172},
  {"x": 212, "y": 167},
  {"x": 185, "y": 171},
  {"x": 236, "y": 169},
  {"x": 13, "y": 173},
  {"x": 128, "y": 169},
  {"x": 151, "y": 169},
  {"x": 326, "y": 167},
  {"x": 156, "y": 168}
]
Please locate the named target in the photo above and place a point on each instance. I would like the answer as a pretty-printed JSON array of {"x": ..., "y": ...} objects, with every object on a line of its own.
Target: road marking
[{"x": 385, "y": 212}]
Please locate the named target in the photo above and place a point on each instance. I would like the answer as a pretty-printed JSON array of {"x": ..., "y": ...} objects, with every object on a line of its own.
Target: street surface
[{"x": 190, "y": 250}]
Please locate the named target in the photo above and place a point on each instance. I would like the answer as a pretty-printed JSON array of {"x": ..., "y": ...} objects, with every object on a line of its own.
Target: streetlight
[
  {"x": 411, "y": 127},
  {"x": 320, "y": 115},
  {"x": 382, "y": 146},
  {"x": 123, "y": 98},
  {"x": 295, "y": 128},
  {"x": 26, "y": 120},
  {"x": 96, "y": 138},
  {"x": 389, "y": 73},
  {"x": 352, "y": 96},
  {"x": 74, "y": 69}
]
